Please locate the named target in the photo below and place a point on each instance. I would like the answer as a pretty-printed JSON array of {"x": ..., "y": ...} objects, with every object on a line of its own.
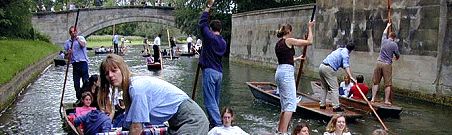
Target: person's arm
[
  {"x": 81, "y": 40},
  {"x": 351, "y": 92},
  {"x": 385, "y": 32},
  {"x": 204, "y": 22},
  {"x": 302, "y": 42}
]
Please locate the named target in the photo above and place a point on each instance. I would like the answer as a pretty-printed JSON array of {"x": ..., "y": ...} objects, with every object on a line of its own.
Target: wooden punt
[
  {"x": 154, "y": 66},
  {"x": 59, "y": 62},
  {"x": 307, "y": 106},
  {"x": 382, "y": 109}
]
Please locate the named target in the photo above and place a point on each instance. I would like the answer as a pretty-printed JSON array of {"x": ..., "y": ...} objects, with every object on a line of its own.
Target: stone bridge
[{"x": 56, "y": 24}]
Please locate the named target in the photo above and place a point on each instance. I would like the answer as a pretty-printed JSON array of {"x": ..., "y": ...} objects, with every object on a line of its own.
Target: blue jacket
[{"x": 94, "y": 122}]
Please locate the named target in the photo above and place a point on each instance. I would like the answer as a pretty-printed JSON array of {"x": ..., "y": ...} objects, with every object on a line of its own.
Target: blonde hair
[
  {"x": 113, "y": 61},
  {"x": 331, "y": 127}
]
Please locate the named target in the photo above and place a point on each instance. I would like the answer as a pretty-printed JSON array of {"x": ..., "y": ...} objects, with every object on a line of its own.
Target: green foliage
[
  {"x": 15, "y": 19},
  {"x": 16, "y": 55},
  {"x": 187, "y": 15}
]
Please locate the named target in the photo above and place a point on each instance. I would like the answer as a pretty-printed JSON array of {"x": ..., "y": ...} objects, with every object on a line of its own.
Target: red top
[{"x": 355, "y": 92}]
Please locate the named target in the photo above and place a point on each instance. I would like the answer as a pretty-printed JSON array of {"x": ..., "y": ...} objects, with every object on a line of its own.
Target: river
[{"x": 36, "y": 110}]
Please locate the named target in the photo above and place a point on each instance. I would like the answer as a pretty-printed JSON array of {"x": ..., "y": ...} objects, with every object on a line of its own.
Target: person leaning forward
[
  {"x": 149, "y": 100},
  {"x": 79, "y": 59},
  {"x": 388, "y": 50},
  {"x": 339, "y": 58},
  {"x": 210, "y": 62}
]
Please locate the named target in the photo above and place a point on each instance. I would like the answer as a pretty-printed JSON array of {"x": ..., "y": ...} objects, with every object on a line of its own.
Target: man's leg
[
  {"x": 210, "y": 102},
  {"x": 378, "y": 74},
  {"x": 76, "y": 75}
]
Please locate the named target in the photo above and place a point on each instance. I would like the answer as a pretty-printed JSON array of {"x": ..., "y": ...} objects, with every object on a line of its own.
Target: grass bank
[
  {"x": 96, "y": 41},
  {"x": 16, "y": 55}
]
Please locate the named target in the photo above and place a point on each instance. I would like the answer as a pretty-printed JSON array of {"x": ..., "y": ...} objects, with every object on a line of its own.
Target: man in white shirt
[
  {"x": 156, "y": 48},
  {"x": 189, "y": 41}
]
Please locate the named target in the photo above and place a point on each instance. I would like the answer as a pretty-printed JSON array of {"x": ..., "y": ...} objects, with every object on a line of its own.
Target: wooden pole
[
  {"x": 169, "y": 44},
  {"x": 371, "y": 107},
  {"x": 69, "y": 58},
  {"x": 303, "y": 57},
  {"x": 391, "y": 93}
]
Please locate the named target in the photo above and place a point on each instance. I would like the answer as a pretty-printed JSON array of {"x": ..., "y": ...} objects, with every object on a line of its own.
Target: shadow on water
[{"x": 36, "y": 110}]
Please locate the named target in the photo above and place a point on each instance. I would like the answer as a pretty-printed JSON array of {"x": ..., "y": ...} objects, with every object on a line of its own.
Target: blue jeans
[
  {"x": 211, "y": 80},
  {"x": 80, "y": 70},
  {"x": 285, "y": 81}
]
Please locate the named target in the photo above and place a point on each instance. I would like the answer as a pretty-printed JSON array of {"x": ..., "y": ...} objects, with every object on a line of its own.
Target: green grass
[
  {"x": 16, "y": 55},
  {"x": 96, "y": 41}
]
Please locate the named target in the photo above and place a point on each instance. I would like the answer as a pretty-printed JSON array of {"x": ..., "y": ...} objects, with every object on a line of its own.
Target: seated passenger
[
  {"x": 94, "y": 122},
  {"x": 354, "y": 92},
  {"x": 61, "y": 55},
  {"x": 86, "y": 100},
  {"x": 93, "y": 87},
  {"x": 301, "y": 129},
  {"x": 149, "y": 60},
  {"x": 344, "y": 87},
  {"x": 227, "y": 129}
]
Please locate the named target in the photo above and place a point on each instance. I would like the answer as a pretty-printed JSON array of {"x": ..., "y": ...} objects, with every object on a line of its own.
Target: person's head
[
  {"x": 160, "y": 35},
  {"x": 92, "y": 85},
  {"x": 73, "y": 31},
  {"x": 114, "y": 73},
  {"x": 379, "y": 132},
  {"x": 87, "y": 98},
  {"x": 337, "y": 123},
  {"x": 392, "y": 35},
  {"x": 301, "y": 129},
  {"x": 346, "y": 79},
  {"x": 350, "y": 46},
  {"x": 215, "y": 25},
  {"x": 360, "y": 78},
  {"x": 284, "y": 30},
  {"x": 61, "y": 52},
  {"x": 227, "y": 115}
]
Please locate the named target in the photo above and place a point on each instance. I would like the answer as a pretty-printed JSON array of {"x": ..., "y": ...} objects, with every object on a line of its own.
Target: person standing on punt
[
  {"x": 79, "y": 59},
  {"x": 284, "y": 76}
]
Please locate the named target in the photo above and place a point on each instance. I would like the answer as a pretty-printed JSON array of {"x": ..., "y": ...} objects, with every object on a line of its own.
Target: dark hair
[
  {"x": 215, "y": 25},
  {"x": 350, "y": 46},
  {"x": 298, "y": 128},
  {"x": 91, "y": 81},
  {"x": 392, "y": 35},
  {"x": 160, "y": 35},
  {"x": 72, "y": 27},
  {"x": 284, "y": 30},
  {"x": 360, "y": 78}
]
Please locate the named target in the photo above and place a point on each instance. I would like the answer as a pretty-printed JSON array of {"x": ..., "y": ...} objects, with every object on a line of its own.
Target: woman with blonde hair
[
  {"x": 149, "y": 100},
  {"x": 337, "y": 126},
  {"x": 284, "y": 76}
]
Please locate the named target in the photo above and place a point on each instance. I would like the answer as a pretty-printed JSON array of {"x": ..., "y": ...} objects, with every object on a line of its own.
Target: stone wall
[
  {"x": 423, "y": 28},
  {"x": 56, "y": 24}
]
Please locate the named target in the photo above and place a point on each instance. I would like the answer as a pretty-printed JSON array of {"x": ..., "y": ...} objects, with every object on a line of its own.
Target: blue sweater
[
  {"x": 94, "y": 122},
  {"x": 214, "y": 46}
]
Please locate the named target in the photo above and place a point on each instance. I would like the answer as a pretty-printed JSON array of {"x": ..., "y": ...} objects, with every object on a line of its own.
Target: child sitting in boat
[
  {"x": 344, "y": 87},
  {"x": 87, "y": 100},
  {"x": 354, "y": 92}
]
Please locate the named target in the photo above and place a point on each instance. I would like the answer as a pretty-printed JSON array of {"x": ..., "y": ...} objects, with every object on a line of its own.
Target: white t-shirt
[
  {"x": 189, "y": 39},
  {"x": 157, "y": 41},
  {"x": 346, "y": 88},
  {"x": 222, "y": 130},
  {"x": 346, "y": 133}
]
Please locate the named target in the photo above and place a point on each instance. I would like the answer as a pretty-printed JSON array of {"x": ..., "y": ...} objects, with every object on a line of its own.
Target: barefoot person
[
  {"x": 383, "y": 68},
  {"x": 284, "y": 76}
]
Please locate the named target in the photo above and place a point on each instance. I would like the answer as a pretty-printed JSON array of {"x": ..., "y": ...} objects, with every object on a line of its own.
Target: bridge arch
[{"x": 56, "y": 24}]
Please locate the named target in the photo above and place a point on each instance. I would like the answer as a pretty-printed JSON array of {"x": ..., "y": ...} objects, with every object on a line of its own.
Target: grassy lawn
[
  {"x": 96, "y": 41},
  {"x": 16, "y": 55}
]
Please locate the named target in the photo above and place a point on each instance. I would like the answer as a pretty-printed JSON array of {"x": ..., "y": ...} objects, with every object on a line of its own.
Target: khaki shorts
[{"x": 383, "y": 70}]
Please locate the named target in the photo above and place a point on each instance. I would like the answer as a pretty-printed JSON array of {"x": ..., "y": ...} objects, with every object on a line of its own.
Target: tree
[
  {"x": 187, "y": 15},
  {"x": 15, "y": 19}
]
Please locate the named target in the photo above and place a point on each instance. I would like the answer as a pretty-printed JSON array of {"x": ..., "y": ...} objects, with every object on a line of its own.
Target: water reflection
[{"x": 36, "y": 111}]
